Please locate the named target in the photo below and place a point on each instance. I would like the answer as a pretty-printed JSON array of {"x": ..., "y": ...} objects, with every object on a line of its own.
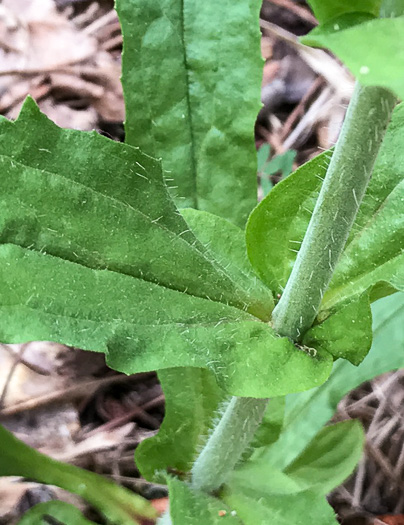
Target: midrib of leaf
[
  {"x": 214, "y": 263},
  {"x": 189, "y": 106}
]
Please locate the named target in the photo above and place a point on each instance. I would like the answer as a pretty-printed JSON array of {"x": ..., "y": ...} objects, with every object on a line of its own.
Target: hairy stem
[
  {"x": 225, "y": 446},
  {"x": 344, "y": 186},
  {"x": 341, "y": 194}
]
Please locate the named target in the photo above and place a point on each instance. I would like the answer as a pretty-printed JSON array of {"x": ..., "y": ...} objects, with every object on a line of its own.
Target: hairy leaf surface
[
  {"x": 192, "y": 507},
  {"x": 192, "y": 93},
  {"x": 192, "y": 400},
  {"x": 90, "y": 266},
  {"x": 374, "y": 254},
  {"x": 346, "y": 331},
  {"x": 253, "y": 508},
  {"x": 306, "y": 413}
]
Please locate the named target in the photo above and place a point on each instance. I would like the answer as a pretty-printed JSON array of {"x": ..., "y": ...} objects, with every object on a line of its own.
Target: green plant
[
  {"x": 95, "y": 254},
  {"x": 281, "y": 164}
]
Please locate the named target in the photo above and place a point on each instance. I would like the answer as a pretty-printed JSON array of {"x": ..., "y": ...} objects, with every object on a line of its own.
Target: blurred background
[{"x": 69, "y": 405}]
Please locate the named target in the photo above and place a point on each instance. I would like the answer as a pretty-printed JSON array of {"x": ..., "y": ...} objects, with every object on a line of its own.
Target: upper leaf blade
[
  {"x": 187, "y": 102},
  {"x": 325, "y": 11},
  {"x": 371, "y": 65}
]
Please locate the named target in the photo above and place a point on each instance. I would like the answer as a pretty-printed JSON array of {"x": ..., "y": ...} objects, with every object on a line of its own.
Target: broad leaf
[
  {"x": 380, "y": 65},
  {"x": 116, "y": 503},
  {"x": 329, "y": 9},
  {"x": 306, "y": 413},
  {"x": 89, "y": 264},
  {"x": 192, "y": 93},
  {"x": 192, "y": 400},
  {"x": 192, "y": 507},
  {"x": 328, "y": 459},
  {"x": 374, "y": 251},
  {"x": 304, "y": 508},
  {"x": 58, "y": 511}
]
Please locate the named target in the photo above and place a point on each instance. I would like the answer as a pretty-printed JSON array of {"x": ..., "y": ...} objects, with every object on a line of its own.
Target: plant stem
[
  {"x": 228, "y": 441},
  {"x": 344, "y": 186},
  {"x": 341, "y": 194}
]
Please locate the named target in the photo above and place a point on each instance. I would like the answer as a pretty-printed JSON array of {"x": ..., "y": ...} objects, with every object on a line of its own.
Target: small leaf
[
  {"x": 304, "y": 508},
  {"x": 346, "y": 332},
  {"x": 192, "y": 507},
  {"x": 192, "y": 401},
  {"x": 326, "y": 10},
  {"x": 306, "y": 413},
  {"x": 263, "y": 156},
  {"x": 371, "y": 65},
  {"x": 327, "y": 460},
  {"x": 117, "y": 503},
  {"x": 330, "y": 458},
  {"x": 277, "y": 225},
  {"x": 192, "y": 94},
  {"x": 281, "y": 163},
  {"x": 59, "y": 511}
]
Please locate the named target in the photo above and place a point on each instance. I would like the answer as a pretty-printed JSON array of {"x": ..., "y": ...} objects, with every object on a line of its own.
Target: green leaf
[
  {"x": 306, "y": 413},
  {"x": 226, "y": 244},
  {"x": 375, "y": 249},
  {"x": 392, "y": 8},
  {"x": 372, "y": 65},
  {"x": 327, "y": 460},
  {"x": 92, "y": 265},
  {"x": 346, "y": 331},
  {"x": 192, "y": 400},
  {"x": 281, "y": 163},
  {"x": 192, "y": 507},
  {"x": 272, "y": 423},
  {"x": 326, "y": 10},
  {"x": 304, "y": 508},
  {"x": 118, "y": 504},
  {"x": 263, "y": 156},
  {"x": 59, "y": 511},
  {"x": 330, "y": 458},
  {"x": 192, "y": 94}
]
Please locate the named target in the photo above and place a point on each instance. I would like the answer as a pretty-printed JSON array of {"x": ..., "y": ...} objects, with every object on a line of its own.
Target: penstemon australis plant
[{"x": 96, "y": 254}]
